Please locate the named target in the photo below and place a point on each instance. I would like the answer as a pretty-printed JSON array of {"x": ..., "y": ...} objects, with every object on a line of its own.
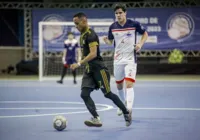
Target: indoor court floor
[{"x": 163, "y": 110}]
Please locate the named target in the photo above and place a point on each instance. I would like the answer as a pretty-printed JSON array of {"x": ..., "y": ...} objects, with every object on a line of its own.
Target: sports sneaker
[
  {"x": 128, "y": 118},
  {"x": 94, "y": 122},
  {"x": 60, "y": 82}
]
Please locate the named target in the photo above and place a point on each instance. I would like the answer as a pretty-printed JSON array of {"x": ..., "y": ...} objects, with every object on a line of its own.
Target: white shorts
[{"x": 125, "y": 72}]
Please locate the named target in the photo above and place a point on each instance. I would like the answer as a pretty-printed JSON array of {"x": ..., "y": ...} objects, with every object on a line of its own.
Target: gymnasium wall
[{"x": 10, "y": 56}]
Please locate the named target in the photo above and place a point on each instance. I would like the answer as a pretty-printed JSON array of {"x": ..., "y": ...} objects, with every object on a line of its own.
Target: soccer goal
[{"x": 51, "y": 45}]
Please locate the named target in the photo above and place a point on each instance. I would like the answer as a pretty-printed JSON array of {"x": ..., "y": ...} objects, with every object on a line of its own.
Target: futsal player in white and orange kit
[{"x": 124, "y": 33}]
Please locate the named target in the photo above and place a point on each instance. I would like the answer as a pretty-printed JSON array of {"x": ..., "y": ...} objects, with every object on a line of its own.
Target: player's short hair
[
  {"x": 120, "y": 6},
  {"x": 70, "y": 33},
  {"x": 80, "y": 15}
]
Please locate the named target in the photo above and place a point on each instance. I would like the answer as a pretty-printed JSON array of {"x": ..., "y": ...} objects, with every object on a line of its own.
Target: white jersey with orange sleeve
[{"x": 125, "y": 38}]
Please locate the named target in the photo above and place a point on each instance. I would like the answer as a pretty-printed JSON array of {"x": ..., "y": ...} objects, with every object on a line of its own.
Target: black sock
[
  {"x": 117, "y": 102},
  {"x": 85, "y": 95},
  {"x": 74, "y": 74},
  {"x": 63, "y": 72},
  {"x": 91, "y": 107}
]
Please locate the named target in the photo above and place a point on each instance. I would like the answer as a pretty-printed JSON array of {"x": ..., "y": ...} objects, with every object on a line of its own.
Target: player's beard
[{"x": 83, "y": 29}]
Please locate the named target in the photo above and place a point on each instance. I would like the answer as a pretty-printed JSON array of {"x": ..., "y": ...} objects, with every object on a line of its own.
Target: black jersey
[{"x": 87, "y": 40}]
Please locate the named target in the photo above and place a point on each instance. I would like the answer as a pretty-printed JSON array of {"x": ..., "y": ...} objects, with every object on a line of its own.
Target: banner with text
[{"x": 168, "y": 28}]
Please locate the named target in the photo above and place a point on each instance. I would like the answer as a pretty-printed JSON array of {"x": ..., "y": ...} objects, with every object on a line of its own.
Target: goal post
[{"x": 51, "y": 45}]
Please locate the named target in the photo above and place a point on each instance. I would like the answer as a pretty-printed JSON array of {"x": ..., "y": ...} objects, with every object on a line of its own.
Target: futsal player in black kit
[{"x": 96, "y": 75}]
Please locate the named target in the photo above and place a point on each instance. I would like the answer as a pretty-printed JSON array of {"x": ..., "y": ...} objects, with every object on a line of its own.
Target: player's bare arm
[
  {"x": 142, "y": 41},
  {"x": 64, "y": 55},
  {"x": 64, "y": 52},
  {"x": 107, "y": 41},
  {"x": 90, "y": 56},
  {"x": 79, "y": 54}
]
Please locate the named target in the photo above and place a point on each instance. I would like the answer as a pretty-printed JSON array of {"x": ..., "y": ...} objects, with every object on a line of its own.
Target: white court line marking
[
  {"x": 107, "y": 107},
  {"x": 43, "y": 108},
  {"x": 175, "y": 109},
  {"x": 79, "y": 108},
  {"x": 46, "y": 102},
  {"x": 73, "y": 86}
]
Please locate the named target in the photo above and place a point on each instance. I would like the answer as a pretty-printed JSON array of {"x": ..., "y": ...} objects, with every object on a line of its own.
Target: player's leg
[
  {"x": 102, "y": 77},
  {"x": 119, "y": 78},
  {"x": 87, "y": 87},
  {"x": 74, "y": 71},
  {"x": 74, "y": 75},
  {"x": 130, "y": 74},
  {"x": 85, "y": 95},
  {"x": 64, "y": 70}
]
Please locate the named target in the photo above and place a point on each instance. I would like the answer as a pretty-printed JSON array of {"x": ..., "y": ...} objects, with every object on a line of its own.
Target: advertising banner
[{"x": 168, "y": 28}]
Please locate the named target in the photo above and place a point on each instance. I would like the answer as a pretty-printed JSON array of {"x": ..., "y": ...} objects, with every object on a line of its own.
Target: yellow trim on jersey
[
  {"x": 82, "y": 34},
  {"x": 87, "y": 66},
  {"x": 87, "y": 30},
  {"x": 92, "y": 44},
  {"x": 105, "y": 80}
]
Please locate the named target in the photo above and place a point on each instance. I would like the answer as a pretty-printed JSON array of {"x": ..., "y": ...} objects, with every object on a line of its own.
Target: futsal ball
[{"x": 59, "y": 123}]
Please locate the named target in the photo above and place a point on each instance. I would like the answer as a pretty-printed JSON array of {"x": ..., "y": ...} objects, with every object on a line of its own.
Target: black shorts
[
  {"x": 70, "y": 61},
  {"x": 98, "y": 79}
]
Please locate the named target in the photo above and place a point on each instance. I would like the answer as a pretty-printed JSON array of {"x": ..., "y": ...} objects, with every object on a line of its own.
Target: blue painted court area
[{"x": 168, "y": 110}]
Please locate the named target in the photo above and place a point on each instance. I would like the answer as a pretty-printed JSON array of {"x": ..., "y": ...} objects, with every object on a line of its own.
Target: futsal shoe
[
  {"x": 60, "y": 82},
  {"x": 128, "y": 118},
  {"x": 93, "y": 122}
]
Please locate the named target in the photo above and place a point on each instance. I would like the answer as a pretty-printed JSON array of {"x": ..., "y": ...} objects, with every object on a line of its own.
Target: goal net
[{"x": 51, "y": 45}]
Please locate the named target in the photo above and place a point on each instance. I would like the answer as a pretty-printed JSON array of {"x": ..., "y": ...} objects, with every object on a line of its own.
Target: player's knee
[
  {"x": 129, "y": 83},
  {"x": 83, "y": 96},
  {"x": 108, "y": 95},
  {"x": 120, "y": 85},
  {"x": 85, "y": 93}
]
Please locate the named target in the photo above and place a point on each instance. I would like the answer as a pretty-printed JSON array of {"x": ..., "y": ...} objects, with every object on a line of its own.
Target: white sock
[
  {"x": 121, "y": 95},
  {"x": 129, "y": 98}
]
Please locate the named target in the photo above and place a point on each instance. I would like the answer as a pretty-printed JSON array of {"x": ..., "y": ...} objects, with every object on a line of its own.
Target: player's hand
[
  {"x": 74, "y": 66},
  {"x": 138, "y": 47},
  {"x": 105, "y": 39}
]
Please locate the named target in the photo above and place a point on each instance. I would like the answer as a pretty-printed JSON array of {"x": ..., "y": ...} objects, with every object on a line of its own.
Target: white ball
[{"x": 59, "y": 123}]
